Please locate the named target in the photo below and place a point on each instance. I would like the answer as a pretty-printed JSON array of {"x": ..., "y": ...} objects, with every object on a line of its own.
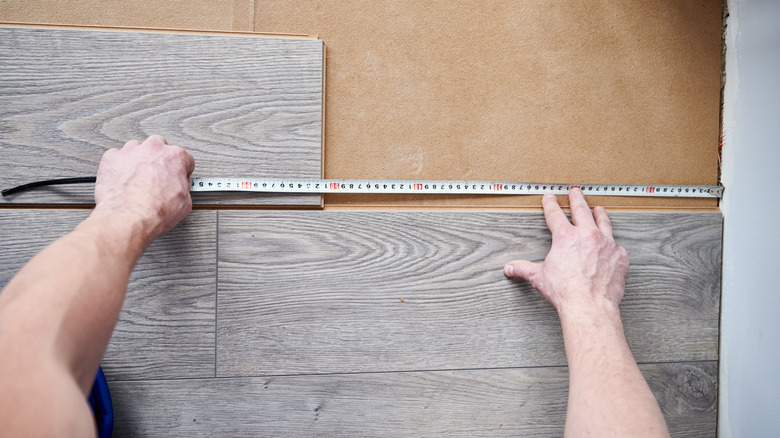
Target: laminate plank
[
  {"x": 674, "y": 279},
  {"x": 166, "y": 328},
  {"x": 528, "y": 402},
  {"x": 243, "y": 105},
  {"x": 332, "y": 292}
]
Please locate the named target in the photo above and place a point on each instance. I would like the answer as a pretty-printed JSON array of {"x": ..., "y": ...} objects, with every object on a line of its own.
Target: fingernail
[
  {"x": 549, "y": 195},
  {"x": 509, "y": 270}
]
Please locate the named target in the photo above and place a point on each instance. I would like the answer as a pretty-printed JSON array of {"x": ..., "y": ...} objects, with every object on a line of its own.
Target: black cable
[{"x": 49, "y": 182}]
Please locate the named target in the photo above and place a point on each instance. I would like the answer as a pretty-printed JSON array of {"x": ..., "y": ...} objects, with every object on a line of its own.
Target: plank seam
[
  {"x": 216, "y": 292},
  {"x": 264, "y": 376}
]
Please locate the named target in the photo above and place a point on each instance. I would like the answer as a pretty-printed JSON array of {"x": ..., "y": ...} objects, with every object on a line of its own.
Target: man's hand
[
  {"x": 585, "y": 267},
  {"x": 584, "y": 277},
  {"x": 55, "y": 340},
  {"x": 150, "y": 179}
]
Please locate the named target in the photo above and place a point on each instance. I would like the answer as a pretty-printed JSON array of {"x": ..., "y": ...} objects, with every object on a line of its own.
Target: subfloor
[{"x": 302, "y": 323}]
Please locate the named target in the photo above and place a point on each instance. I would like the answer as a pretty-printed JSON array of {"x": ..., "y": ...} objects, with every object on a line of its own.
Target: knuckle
[
  {"x": 567, "y": 233},
  {"x": 593, "y": 235},
  {"x": 180, "y": 155},
  {"x": 156, "y": 138},
  {"x": 179, "y": 152}
]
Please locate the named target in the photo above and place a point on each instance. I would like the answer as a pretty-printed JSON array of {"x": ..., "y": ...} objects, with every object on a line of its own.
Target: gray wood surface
[
  {"x": 332, "y": 292},
  {"x": 243, "y": 105},
  {"x": 166, "y": 328},
  {"x": 528, "y": 402},
  {"x": 383, "y": 323}
]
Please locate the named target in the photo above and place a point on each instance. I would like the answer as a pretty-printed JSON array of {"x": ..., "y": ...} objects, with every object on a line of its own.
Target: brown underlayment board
[
  {"x": 219, "y": 15},
  {"x": 243, "y": 105},
  {"x": 166, "y": 328},
  {"x": 526, "y": 402},
  {"x": 569, "y": 91},
  {"x": 577, "y": 91}
]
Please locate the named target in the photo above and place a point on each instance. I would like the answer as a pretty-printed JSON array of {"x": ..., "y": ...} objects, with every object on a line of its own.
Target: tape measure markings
[{"x": 297, "y": 185}]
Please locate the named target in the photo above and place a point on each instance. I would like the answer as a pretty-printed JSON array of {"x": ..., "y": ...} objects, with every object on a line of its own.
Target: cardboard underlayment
[{"x": 575, "y": 91}]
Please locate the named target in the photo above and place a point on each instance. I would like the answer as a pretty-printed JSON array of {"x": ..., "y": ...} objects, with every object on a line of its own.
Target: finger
[
  {"x": 105, "y": 159},
  {"x": 603, "y": 222},
  {"x": 522, "y": 269},
  {"x": 555, "y": 217},
  {"x": 132, "y": 143},
  {"x": 110, "y": 152},
  {"x": 190, "y": 163},
  {"x": 580, "y": 212},
  {"x": 157, "y": 139},
  {"x": 181, "y": 156}
]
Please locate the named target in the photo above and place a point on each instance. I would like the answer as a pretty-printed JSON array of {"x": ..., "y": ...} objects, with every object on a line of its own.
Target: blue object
[{"x": 100, "y": 402}]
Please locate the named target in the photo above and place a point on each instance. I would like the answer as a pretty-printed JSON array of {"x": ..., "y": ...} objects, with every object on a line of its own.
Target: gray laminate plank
[
  {"x": 529, "y": 402},
  {"x": 243, "y": 105},
  {"x": 320, "y": 292},
  {"x": 166, "y": 328}
]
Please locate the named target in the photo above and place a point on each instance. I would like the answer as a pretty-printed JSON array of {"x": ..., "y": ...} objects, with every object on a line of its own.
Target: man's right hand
[
  {"x": 584, "y": 267},
  {"x": 584, "y": 277},
  {"x": 149, "y": 179}
]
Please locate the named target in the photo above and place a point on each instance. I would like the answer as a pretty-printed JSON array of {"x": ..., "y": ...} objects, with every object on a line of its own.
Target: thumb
[{"x": 522, "y": 269}]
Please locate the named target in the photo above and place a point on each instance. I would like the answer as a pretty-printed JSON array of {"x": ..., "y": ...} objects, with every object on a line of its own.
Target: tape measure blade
[{"x": 298, "y": 185}]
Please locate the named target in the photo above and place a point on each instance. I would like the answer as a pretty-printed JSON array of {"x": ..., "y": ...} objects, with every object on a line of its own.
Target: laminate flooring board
[
  {"x": 243, "y": 105},
  {"x": 335, "y": 292},
  {"x": 166, "y": 328},
  {"x": 528, "y": 402},
  {"x": 674, "y": 279}
]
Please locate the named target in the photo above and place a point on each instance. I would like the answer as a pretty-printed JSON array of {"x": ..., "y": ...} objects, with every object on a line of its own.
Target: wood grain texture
[
  {"x": 243, "y": 105},
  {"x": 529, "y": 402},
  {"x": 166, "y": 328},
  {"x": 322, "y": 292}
]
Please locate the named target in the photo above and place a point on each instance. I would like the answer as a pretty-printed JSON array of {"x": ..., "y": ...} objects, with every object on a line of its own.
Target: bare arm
[
  {"x": 58, "y": 312},
  {"x": 583, "y": 277}
]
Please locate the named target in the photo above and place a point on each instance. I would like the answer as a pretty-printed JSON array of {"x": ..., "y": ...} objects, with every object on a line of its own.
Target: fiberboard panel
[
  {"x": 576, "y": 91},
  {"x": 243, "y": 105}
]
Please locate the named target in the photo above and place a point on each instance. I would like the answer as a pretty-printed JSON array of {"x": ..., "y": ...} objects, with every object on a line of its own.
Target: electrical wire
[{"x": 49, "y": 182}]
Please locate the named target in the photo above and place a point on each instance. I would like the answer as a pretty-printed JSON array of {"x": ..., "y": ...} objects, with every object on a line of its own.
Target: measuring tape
[{"x": 297, "y": 185}]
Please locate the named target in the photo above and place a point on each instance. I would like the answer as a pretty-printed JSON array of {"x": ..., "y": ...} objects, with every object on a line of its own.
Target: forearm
[
  {"x": 608, "y": 396},
  {"x": 62, "y": 306},
  {"x": 58, "y": 312}
]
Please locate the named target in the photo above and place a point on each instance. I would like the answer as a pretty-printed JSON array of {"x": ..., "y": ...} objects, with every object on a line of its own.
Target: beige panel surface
[
  {"x": 171, "y": 14},
  {"x": 566, "y": 91}
]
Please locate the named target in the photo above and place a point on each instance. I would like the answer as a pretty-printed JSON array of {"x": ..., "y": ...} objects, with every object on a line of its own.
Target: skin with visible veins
[
  {"x": 584, "y": 277},
  {"x": 58, "y": 312}
]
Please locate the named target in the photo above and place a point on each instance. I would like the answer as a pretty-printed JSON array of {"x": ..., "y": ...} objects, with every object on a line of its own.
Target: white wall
[{"x": 750, "y": 316}]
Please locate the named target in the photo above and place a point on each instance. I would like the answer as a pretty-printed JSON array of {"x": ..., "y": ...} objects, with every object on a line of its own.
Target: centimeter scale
[{"x": 281, "y": 185}]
